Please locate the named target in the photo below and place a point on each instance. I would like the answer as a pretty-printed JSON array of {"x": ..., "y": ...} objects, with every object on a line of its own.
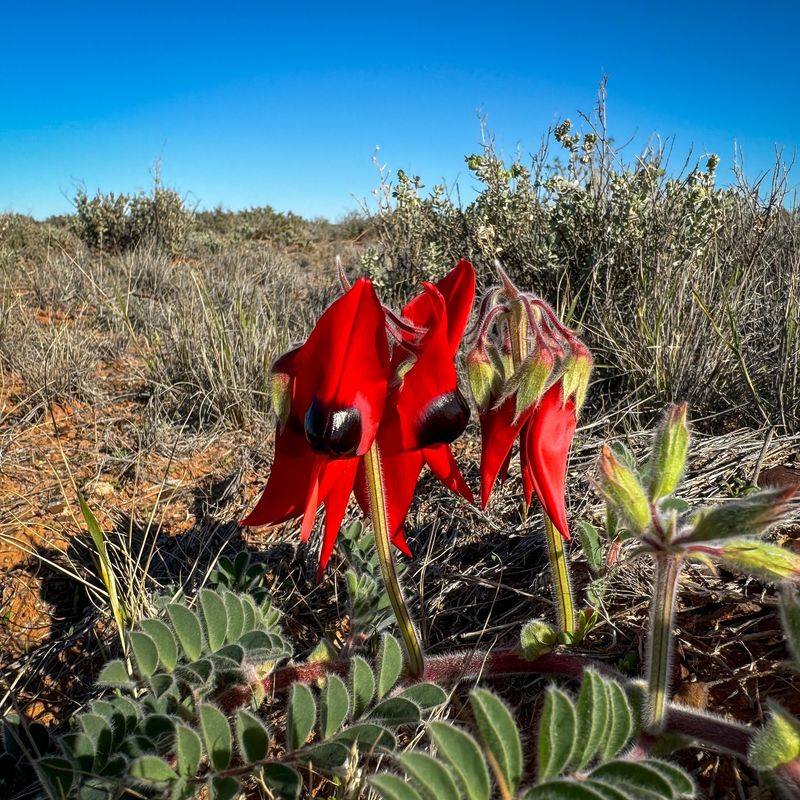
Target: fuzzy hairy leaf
[
  {"x": 99, "y": 731},
  {"x": 368, "y": 736},
  {"x": 499, "y": 733},
  {"x": 284, "y": 781},
  {"x": 390, "y": 664},
  {"x": 637, "y": 776},
  {"x": 462, "y": 753},
  {"x": 235, "y": 616},
  {"x": 395, "y": 711},
  {"x": 680, "y": 781},
  {"x": 434, "y": 779},
  {"x": 362, "y": 685},
  {"x": 81, "y": 749},
  {"x": 590, "y": 543},
  {"x": 556, "y": 738},
  {"x": 223, "y": 788},
  {"x": 152, "y": 769},
  {"x": 188, "y": 750},
  {"x": 564, "y": 789},
  {"x": 187, "y": 628},
  {"x": 215, "y": 619},
  {"x": 620, "y": 721},
  {"x": 391, "y": 787},
  {"x": 216, "y": 735},
  {"x": 425, "y": 695},
  {"x": 301, "y": 716},
  {"x": 56, "y": 776},
  {"x": 114, "y": 674},
  {"x": 252, "y": 736},
  {"x": 334, "y": 705},
  {"x": 165, "y": 642},
  {"x": 145, "y": 653},
  {"x": 591, "y": 717},
  {"x": 327, "y": 755}
]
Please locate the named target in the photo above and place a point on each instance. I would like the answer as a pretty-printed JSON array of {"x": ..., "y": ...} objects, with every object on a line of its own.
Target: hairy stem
[
  {"x": 562, "y": 588},
  {"x": 659, "y": 649},
  {"x": 383, "y": 544}
]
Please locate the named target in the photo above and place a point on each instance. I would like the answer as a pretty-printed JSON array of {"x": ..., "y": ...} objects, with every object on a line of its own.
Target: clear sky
[{"x": 283, "y": 104}]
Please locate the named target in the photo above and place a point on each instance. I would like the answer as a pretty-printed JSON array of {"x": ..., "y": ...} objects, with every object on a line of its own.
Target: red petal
[
  {"x": 552, "y": 427},
  {"x": 529, "y": 485},
  {"x": 344, "y": 363},
  {"x": 290, "y": 480},
  {"x": 444, "y": 467},
  {"x": 458, "y": 290},
  {"x": 498, "y": 432},
  {"x": 337, "y": 484}
]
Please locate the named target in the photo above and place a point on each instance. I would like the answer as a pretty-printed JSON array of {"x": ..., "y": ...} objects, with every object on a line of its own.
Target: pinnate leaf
[
  {"x": 235, "y": 615},
  {"x": 284, "y": 781},
  {"x": 152, "y": 769},
  {"x": 499, "y": 733},
  {"x": 556, "y": 734},
  {"x": 165, "y": 642},
  {"x": 302, "y": 714},
  {"x": 223, "y": 788},
  {"x": 252, "y": 736},
  {"x": 187, "y": 628},
  {"x": 620, "y": 721},
  {"x": 462, "y": 753},
  {"x": 395, "y": 711},
  {"x": 114, "y": 673},
  {"x": 392, "y": 787},
  {"x": 425, "y": 695},
  {"x": 638, "y": 776},
  {"x": 362, "y": 680},
  {"x": 188, "y": 750},
  {"x": 145, "y": 653},
  {"x": 435, "y": 779},
  {"x": 334, "y": 706},
  {"x": 390, "y": 664},
  {"x": 591, "y": 718},
  {"x": 216, "y": 734}
]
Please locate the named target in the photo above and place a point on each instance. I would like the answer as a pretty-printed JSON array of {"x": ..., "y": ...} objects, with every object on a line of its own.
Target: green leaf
[
  {"x": 778, "y": 742},
  {"x": 99, "y": 731},
  {"x": 160, "y": 729},
  {"x": 425, "y": 695},
  {"x": 235, "y": 615},
  {"x": 435, "y": 779},
  {"x": 152, "y": 769},
  {"x": 368, "y": 735},
  {"x": 249, "y": 613},
  {"x": 215, "y": 618},
  {"x": 223, "y": 788},
  {"x": 570, "y": 790},
  {"x": 189, "y": 751},
  {"x": 216, "y": 734},
  {"x": 638, "y": 775},
  {"x": 395, "y": 711},
  {"x": 327, "y": 755},
  {"x": 252, "y": 736},
  {"x": 166, "y": 645},
  {"x": 81, "y": 748},
  {"x": 362, "y": 685},
  {"x": 591, "y": 718},
  {"x": 610, "y": 792},
  {"x": 556, "y": 738},
  {"x": 590, "y": 543},
  {"x": 56, "y": 776},
  {"x": 114, "y": 674},
  {"x": 391, "y": 787},
  {"x": 301, "y": 715},
  {"x": 620, "y": 724},
  {"x": 187, "y": 628},
  {"x": 680, "y": 781},
  {"x": 499, "y": 734},
  {"x": 461, "y": 751},
  {"x": 334, "y": 705},
  {"x": 284, "y": 781},
  {"x": 145, "y": 652},
  {"x": 390, "y": 664}
]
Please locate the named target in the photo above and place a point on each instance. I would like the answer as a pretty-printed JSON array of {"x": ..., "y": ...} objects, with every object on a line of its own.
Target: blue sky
[{"x": 246, "y": 105}]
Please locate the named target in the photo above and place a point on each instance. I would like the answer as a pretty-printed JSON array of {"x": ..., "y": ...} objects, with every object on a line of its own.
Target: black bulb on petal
[
  {"x": 444, "y": 419},
  {"x": 332, "y": 432}
]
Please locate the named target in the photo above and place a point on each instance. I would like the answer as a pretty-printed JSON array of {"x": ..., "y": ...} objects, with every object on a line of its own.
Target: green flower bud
[
  {"x": 537, "y": 637},
  {"x": 622, "y": 489},
  {"x": 280, "y": 386},
  {"x": 483, "y": 377},
  {"x": 577, "y": 370},
  {"x": 668, "y": 456}
]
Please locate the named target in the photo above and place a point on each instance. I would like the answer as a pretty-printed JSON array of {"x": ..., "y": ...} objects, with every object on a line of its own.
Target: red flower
[
  {"x": 342, "y": 390},
  {"x": 529, "y": 375}
]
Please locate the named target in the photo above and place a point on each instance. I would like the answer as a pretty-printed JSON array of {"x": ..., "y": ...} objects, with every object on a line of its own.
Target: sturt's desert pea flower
[
  {"x": 528, "y": 374},
  {"x": 366, "y": 376}
]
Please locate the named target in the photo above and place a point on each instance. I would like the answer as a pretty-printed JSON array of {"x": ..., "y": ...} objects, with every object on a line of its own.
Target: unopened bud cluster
[{"x": 520, "y": 349}]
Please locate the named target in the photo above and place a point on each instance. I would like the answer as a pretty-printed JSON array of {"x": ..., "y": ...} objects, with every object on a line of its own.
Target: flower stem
[
  {"x": 659, "y": 650},
  {"x": 562, "y": 588},
  {"x": 383, "y": 544}
]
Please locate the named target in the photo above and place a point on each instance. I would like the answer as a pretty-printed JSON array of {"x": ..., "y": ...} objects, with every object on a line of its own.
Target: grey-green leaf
[
  {"x": 620, "y": 725},
  {"x": 302, "y": 714},
  {"x": 680, "y": 781},
  {"x": 362, "y": 684},
  {"x": 216, "y": 734},
  {"x": 499, "y": 734},
  {"x": 152, "y": 769},
  {"x": 556, "y": 738},
  {"x": 187, "y": 629},
  {"x": 252, "y": 736},
  {"x": 284, "y": 781},
  {"x": 57, "y": 776},
  {"x": 425, "y": 695},
  {"x": 390, "y": 664},
  {"x": 215, "y": 618},
  {"x": 145, "y": 653},
  {"x": 368, "y": 735},
  {"x": 570, "y": 790},
  {"x": 461, "y": 751},
  {"x": 114, "y": 674},
  {"x": 390, "y": 787},
  {"x": 334, "y": 706},
  {"x": 166, "y": 645},
  {"x": 226, "y": 788},
  {"x": 592, "y": 719},
  {"x": 590, "y": 543},
  {"x": 630, "y": 775},
  {"x": 434, "y": 779},
  {"x": 189, "y": 751},
  {"x": 395, "y": 711},
  {"x": 235, "y": 614}
]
